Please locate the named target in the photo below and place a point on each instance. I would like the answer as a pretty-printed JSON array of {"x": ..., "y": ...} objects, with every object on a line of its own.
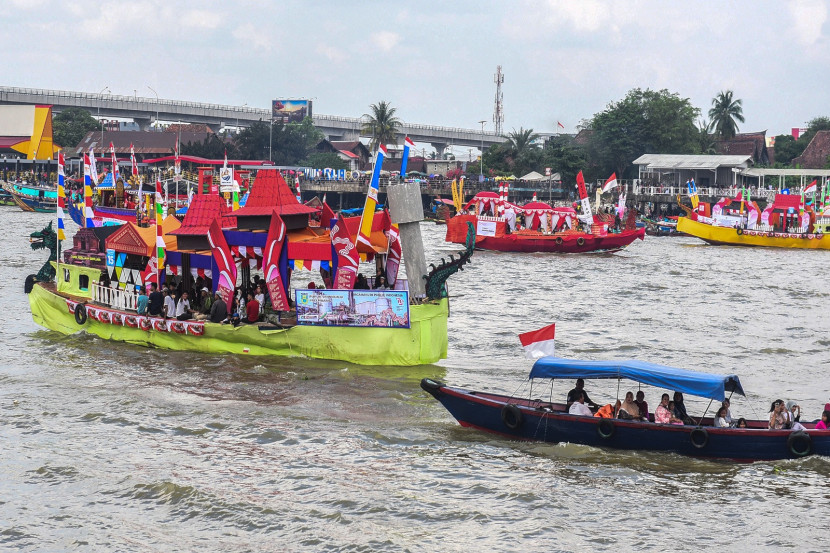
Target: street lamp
[
  {"x": 157, "y": 103},
  {"x": 481, "y": 173}
]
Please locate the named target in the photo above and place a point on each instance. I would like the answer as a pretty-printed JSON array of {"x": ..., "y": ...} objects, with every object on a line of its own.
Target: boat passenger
[
  {"x": 183, "y": 311},
  {"x": 776, "y": 418},
  {"x": 572, "y": 395},
  {"x": 142, "y": 301},
  {"x": 726, "y": 403},
  {"x": 204, "y": 309},
  {"x": 251, "y": 309},
  {"x": 642, "y": 405},
  {"x": 578, "y": 407},
  {"x": 361, "y": 283},
  {"x": 680, "y": 409},
  {"x": 672, "y": 418},
  {"x": 793, "y": 412},
  {"x": 259, "y": 296},
  {"x": 662, "y": 415},
  {"x": 720, "y": 419},
  {"x": 169, "y": 303},
  {"x": 741, "y": 423},
  {"x": 824, "y": 423},
  {"x": 218, "y": 311},
  {"x": 155, "y": 301},
  {"x": 629, "y": 409}
]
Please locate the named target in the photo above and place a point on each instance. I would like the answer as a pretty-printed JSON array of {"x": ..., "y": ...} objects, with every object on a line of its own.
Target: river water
[{"x": 109, "y": 447}]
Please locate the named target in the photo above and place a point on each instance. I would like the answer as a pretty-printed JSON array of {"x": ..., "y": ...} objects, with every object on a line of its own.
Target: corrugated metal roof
[{"x": 682, "y": 161}]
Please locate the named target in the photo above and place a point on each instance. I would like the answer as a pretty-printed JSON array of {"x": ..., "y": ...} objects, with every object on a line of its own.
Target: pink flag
[
  {"x": 347, "y": 256},
  {"x": 271, "y": 263},
  {"x": 224, "y": 261},
  {"x": 539, "y": 343}
]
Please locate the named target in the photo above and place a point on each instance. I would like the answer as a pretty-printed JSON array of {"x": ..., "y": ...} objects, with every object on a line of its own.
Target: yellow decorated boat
[{"x": 744, "y": 237}]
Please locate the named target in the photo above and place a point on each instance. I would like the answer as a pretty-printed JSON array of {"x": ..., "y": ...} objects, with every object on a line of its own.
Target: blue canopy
[{"x": 712, "y": 386}]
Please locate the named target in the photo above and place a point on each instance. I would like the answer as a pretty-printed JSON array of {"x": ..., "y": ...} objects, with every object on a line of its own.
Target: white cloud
[
  {"x": 385, "y": 40},
  {"x": 201, "y": 19},
  {"x": 809, "y": 16},
  {"x": 331, "y": 53},
  {"x": 254, "y": 36}
]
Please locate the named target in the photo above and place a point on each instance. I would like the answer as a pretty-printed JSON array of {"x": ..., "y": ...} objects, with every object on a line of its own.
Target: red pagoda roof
[{"x": 269, "y": 191}]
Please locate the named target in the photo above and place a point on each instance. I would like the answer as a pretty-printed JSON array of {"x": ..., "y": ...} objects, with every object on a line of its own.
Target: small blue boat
[{"x": 549, "y": 421}]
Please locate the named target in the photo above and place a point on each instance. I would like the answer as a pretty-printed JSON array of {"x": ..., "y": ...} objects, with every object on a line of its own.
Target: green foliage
[
  {"x": 724, "y": 112},
  {"x": 381, "y": 125},
  {"x": 645, "y": 121},
  {"x": 71, "y": 125},
  {"x": 212, "y": 147},
  {"x": 563, "y": 156},
  {"x": 787, "y": 148},
  {"x": 289, "y": 144},
  {"x": 324, "y": 160},
  {"x": 252, "y": 143}
]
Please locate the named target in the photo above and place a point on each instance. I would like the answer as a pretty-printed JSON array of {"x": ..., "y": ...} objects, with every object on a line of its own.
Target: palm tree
[
  {"x": 381, "y": 125},
  {"x": 521, "y": 140},
  {"x": 725, "y": 111},
  {"x": 705, "y": 142}
]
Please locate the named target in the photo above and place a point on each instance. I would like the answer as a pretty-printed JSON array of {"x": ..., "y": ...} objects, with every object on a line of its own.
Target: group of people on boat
[{"x": 673, "y": 411}]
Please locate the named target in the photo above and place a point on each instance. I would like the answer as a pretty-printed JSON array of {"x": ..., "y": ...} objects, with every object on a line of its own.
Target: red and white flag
[
  {"x": 539, "y": 343},
  {"x": 560, "y": 125},
  {"x": 810, "y": 188},
  {"x": 610, "y": 183}
]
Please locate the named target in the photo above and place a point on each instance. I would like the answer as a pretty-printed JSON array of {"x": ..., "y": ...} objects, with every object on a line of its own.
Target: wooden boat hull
[
  {"x": 536, "y": 421},
  {"x": 731, "y": 236},
  {"x": 534, "y": 242},
  {"x": 423, "y": 343}
]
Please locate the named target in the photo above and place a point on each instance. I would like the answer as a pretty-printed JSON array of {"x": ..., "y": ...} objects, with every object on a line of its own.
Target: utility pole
[
  {"x": 498, "y": 110},
  {"x": 481, "y": 170}
]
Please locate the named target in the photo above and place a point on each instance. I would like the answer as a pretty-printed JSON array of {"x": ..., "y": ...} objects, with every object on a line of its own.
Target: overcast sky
[{"x": 562, "y": 60}]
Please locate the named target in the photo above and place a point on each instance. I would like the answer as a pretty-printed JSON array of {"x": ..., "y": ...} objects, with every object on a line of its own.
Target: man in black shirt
[
  {"x": 156, "y": 302},
  {"x": 574, "y": 394},
  {"x": 218, "y": 311}
]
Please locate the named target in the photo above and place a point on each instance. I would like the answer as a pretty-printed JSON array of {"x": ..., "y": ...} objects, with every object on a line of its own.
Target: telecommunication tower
[{"x": 498, "y": 110}]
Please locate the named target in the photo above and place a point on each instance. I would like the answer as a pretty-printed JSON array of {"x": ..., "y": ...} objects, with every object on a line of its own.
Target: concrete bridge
[{"x": 144, "y": 111}]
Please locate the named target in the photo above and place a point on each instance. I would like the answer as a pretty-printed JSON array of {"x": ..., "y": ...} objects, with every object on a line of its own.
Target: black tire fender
[
  {"x": 29, "y": 284},
  {"x": 511, "y": 416},
  {"x": 699, "y": 437},
  {"x": 800, "y": 444},
  {"x": 740, "y": 231},
  {"x": 80, "y": 314},
  {"x": 580, "y": 241},
  {"x": 558, "y": 240},
  {"x": 606, "y": 428}
]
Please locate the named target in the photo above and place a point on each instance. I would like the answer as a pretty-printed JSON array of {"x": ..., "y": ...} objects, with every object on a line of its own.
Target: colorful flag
[
  {"x": 560, "y": 125},
  {"x": 115, "y": 174},
  {"x": 539, "y": 343},
  {"x": 159, "y": 232},
  {"x": 407, "y": 143},
  {"x": 225, "y": 263},
  {"x": 393, "y": 257},
  {"x": 371, "y": 199},
  {"x": 235, "y": 195},
  {"x": 610, "y": 183},
  {"x": 271, "y": 263},
  {"x": 88, "y": 214},
  {"x": 621, "y": 206},
  {"x": 93, "y": 166},
  {"x": 133, "y": 164},
  {"x": 297, "y": 184},
  {"x": 693, "y": 193},
  {"x": 347, "y": 256},
  {"x": 61, "y": 198}
]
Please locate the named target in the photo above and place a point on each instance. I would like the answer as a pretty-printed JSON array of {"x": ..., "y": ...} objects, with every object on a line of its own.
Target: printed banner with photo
[{"x": 387, "y": 308}]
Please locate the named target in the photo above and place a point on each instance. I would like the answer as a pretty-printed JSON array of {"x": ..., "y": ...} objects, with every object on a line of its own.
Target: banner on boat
[
  {"x": 485, "y": 228},
  {"x": 360, "y": 308},
  {"x": 226, "y": 179}
]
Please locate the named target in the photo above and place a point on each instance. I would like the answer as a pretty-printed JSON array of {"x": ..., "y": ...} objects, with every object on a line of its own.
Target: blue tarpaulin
[{"x": 712, "y": 386}]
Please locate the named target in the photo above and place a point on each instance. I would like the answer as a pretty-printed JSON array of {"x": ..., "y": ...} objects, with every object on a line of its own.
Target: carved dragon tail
[{"x": 437, "y": 277}]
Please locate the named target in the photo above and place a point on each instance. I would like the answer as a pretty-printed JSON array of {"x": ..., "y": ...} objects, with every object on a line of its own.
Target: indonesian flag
[
  {"x": 560, "y": 125},
  {"x": 133, "y": 163},
  {"x": 610, "y": 183},
  {"x": 115, "y": 175},
  {"x": 539, "y": 343},
  {"x": 811, "y": 188}
]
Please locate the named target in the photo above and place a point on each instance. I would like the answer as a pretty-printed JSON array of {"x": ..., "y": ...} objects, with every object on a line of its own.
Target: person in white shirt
[
  {"x": 260, "y": 297},
  {"x": 169, "y": 304},
  {"x": 183, "y": 311},
  {"x": 578, "y": 407}
]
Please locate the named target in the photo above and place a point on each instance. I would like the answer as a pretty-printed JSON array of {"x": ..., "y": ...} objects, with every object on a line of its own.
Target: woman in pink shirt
[
  {"x": 824, "y": 422},
  {"x": 662, "y": 415}
]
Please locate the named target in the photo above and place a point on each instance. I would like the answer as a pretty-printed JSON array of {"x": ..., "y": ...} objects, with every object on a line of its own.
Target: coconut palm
[
  {"x": 725, "y": 111},
  {"x": 521, "y": 140},
  {"x": 381, "y": 124}
]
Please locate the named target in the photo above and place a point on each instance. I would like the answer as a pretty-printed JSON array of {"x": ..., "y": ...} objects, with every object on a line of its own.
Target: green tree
[
  {"x": 324, "y": 160},
  {"x": 212, "y": 147},
  {"x": 522, "y": 140},
  {"x": 787, "y": 148},
  {"x": 283, "y": 144},
  {"x": 253, "y": 142},
  {"x": 71, "y": 125},
  {"x": 381, "y": 125},
  {"x": 564, "y": 156},
  {"x": 706, "y": 144},
  {"x": 724, "y": 112},
  {"x": 645, "y": 121}
]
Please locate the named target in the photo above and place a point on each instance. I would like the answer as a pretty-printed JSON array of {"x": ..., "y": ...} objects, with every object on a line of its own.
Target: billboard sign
[
  {"x": 361, "y": 308},
  {"x": 290, "y": 111}
]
